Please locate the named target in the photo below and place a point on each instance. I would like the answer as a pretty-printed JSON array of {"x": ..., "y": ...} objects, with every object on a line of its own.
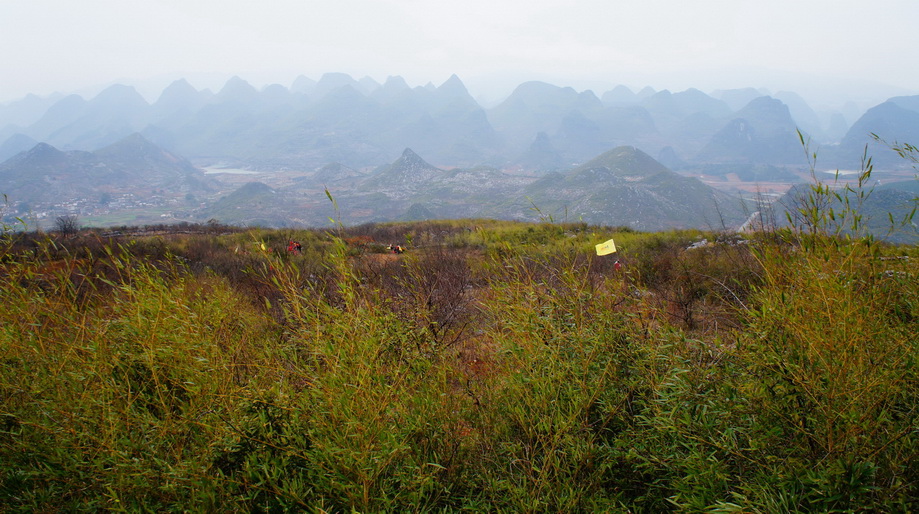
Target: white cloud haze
[{"x": 813, "y": 46}]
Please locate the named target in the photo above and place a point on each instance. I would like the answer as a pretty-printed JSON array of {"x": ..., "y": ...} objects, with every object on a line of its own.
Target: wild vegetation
[{"x": 493, "y": 366}]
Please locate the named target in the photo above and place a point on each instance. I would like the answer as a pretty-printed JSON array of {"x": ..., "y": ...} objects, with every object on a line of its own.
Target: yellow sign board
[{"x": 606, "y": 248}]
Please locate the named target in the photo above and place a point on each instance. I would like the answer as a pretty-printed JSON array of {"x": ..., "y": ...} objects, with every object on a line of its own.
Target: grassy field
[{"x": 493, "y": 366}]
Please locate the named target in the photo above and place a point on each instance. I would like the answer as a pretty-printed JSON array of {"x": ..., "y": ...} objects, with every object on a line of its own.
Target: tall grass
[
  {"x": 833, "y": 347},
  {"x": 114, "y": 402},
  {"x": 493, "y": 367}
]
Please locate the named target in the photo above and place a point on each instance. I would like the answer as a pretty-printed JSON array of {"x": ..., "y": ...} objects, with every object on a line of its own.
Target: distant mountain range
[
  {"x": 544, "y": 152},
  {"x": 539, "y": 127}
]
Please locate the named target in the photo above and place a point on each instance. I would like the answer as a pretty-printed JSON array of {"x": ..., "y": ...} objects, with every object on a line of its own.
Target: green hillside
[
  {"x": 885, "y": 212},
  {"x": 625, "y": 186},
  {"x": 252, "y": 204}
]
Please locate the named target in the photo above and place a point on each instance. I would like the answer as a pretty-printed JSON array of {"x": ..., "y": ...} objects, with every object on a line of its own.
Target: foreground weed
[{"x": 113, "y": 403}]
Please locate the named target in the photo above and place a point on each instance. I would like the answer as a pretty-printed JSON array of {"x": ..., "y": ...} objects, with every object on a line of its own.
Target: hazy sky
[{"x": 816, "y": 47}]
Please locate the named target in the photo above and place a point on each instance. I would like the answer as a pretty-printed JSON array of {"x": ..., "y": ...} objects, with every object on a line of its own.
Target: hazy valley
[{"x": 649, "y": 160}]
